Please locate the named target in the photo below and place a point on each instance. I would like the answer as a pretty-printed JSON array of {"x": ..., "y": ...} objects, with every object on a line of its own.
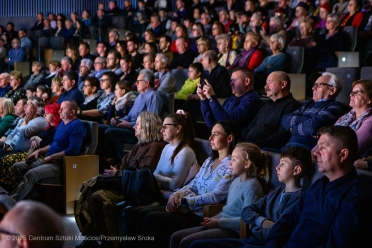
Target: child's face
[
  {"x": 237, "y": 163},
  {"x": 39, "y": 93},
  {"x": 119, "y": 92},
  {"x": 193, "y": 74},
  {"x": 29, "y": 94},
  {"x": 285, "y": 170}
]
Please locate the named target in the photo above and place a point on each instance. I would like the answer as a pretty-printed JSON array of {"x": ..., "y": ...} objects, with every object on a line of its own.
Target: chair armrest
[
  {"x": 212, "y": 210},
  {"x": 245, "y": 232},
  {"x": 77, "y": 170}
]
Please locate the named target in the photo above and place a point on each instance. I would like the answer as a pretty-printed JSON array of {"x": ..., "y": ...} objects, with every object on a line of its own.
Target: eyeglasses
[
  {"x": 356, "y": 93},
  {"x": 319, "y": 85},
  {"x": 9, "y": 233},
  {"x": 137, "y": 81},
  {"x": 165, "y": 126}
]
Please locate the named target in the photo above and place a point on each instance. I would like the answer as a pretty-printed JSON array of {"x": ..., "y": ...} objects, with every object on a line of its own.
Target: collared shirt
[{"x": 150, "y": 101}]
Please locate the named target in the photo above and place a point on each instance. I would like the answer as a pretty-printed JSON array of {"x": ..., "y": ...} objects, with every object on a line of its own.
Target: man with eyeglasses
[
  {"x": 323, "y": 110},
  {"x": 31, "y": 224},
  {"x": 123, "y": 132},
  {"x": 16, "y": 54},
  {"x": 4, "y": 83},
  {"x": 99, "y": 67},
  {"x": 242, "y": 107}
]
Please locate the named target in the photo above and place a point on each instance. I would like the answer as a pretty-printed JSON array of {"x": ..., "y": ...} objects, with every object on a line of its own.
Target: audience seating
[
  {"x": 61, "y": 193},
  {"x": 348, "y": 75},
  {"x": 366, "y": 73},
  {"x": 50, "y": 54},
  {"x": 348, "y": 59},
  {"x": 296, "y": 55},
  {"x": 181, "y": 75},
  {"x": 23, "y": 67},
  {"x": 43, "y": 43},
  {"x": 57, "y": 42},
  {"x": 92, "y": 45},
  {"x": 353, "y": 32},
  {"x": 118, "y": 22},
  {"x": 298, "y": 86}
]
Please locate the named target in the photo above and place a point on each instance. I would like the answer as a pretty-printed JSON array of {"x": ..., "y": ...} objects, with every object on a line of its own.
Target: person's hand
[
  {"x": 361, "y": 164},
  {"x": 267, "y": 224},
  {"x": 311, "y": 44},
  {"x": 47, "y": 159},
  {"x": 114, "y": 101},
  {"x": 210, "y": 223},
  {"x": 111, "y": 172},
  {"x": 6, "y": 60},
  {"x": 172, "y": 204},
  {"x": 194, "y": 97},
  {"x": 29, "y": 116},
  {"x": 262, "y": 32},
  {"x": 123, "y": 124},
  {"x": 207, "y": 89},
  {"x": 200, "y": 93},
  {"x": 113, "y": 121},
  {"x": 35, "y": 141}
]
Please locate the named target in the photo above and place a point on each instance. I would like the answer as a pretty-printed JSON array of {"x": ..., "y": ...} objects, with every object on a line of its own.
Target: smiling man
[
  {"x": 323, "y": 110},
  {"x": 265, "y": 130},
  {"x": 242, "y": 107}
]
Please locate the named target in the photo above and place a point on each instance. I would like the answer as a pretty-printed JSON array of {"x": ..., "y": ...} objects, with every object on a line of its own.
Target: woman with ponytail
[{"x": 178, "y": 156}]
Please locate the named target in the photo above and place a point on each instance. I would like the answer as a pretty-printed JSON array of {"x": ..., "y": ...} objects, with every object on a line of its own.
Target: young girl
[
  {"x": 250, "y": 167},
  {"x": 189, "y": 87},
  {"x": 123, "y": 101},
  {"x": 43, "y": 92}
]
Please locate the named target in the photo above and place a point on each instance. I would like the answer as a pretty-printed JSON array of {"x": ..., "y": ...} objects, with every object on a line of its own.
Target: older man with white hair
[
  {"x": 323, "y": 110},
  {"x": 164, "y": 80},
  {"x": 4, "y": 83},
  {"x": 84, "y": 71}
]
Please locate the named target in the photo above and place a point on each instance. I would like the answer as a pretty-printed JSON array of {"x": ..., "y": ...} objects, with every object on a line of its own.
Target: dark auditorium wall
[{"x": 23, "y": 12}]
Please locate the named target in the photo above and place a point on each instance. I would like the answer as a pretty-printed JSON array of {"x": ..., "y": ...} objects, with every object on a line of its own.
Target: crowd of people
[{"x": 233, "y": 50}]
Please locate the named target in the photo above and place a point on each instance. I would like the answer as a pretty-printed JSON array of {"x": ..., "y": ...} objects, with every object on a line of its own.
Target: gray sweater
[
  {"x": 271, "y": 207},
  {"x": 241, "y": 194}
]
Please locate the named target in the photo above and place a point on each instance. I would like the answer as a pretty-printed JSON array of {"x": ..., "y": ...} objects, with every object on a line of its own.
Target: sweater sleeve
[
  {"x": 5, "y": 124},
  {"x": 364, "y": 135},
  {"x": 357, "y": 20},
  {"x": 207, "y": 113},
  {"x": 33, "y": 127},
  {"x": 76, "y": 137},
  {"x": 289, "y": 120},
  {"x": 182, "y": 163},
  {"x": 249, "y": 196},
  {"x": 255, "y": 60},
  {"x": 152, "y": 156}
]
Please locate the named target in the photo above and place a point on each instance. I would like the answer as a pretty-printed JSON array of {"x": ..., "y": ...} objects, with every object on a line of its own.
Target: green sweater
[
  {"x": 5, "y": 124},
  {"x": 188, "y": 88}
]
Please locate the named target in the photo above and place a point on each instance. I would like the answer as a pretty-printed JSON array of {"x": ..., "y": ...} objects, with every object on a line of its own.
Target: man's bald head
[{"x": 33, "y": 221}]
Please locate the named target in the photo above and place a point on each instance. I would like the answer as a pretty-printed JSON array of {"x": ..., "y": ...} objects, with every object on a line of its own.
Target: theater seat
[
  {"x": 348, "y": 75},
  {"x": 366, "y": 73},
  {"x": 296, "y": 55},
  {"x": 181, "y": 75},
  {"x": 62, "y": 193}
]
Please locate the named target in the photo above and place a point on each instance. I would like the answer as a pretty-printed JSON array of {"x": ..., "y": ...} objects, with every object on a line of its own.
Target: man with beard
[
  {"x": 242, "y": 107},
  {"x": 113, "y": 62},
  {"x": 265, "y": 130},
  {"x": 132, "y": 46}
]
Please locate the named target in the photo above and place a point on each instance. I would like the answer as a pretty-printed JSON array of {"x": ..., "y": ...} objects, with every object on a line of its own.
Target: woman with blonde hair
[
  {"x": 203, "y": 44},
  {"x": 226, "y": 55},
  {"x": 57, "y": 89},
  {"x": 103, "y": 202},
  {"x": 6, "y": 114},
  {"x": 73, "y": 54}
]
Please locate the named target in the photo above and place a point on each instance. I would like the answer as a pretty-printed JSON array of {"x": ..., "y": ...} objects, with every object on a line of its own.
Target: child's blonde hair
[{"x": 260, "y": 162}]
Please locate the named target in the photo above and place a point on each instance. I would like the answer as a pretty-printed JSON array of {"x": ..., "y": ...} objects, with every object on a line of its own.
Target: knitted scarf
[
  {"x": 350, "y": 120},
  {"x": 243, "y": 58}
]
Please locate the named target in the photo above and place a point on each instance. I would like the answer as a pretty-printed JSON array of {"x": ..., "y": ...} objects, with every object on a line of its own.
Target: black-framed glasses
[
  {"x": 319, "y": 85},
  {"x": 356, "y": 93},
  {"x": 137, "y": 81},
  {"x": 6, "y": 232},
  {"x": 165, "y": 126}
]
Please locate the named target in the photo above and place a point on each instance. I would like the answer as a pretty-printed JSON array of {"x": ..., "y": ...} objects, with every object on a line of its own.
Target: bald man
[
  {"x": 266, "y": 130},
  {"x": 31, "y": 224}
]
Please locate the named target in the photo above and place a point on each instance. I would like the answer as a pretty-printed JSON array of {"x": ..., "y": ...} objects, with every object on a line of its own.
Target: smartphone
[
  {"x": 202, "y": 83},
  {"x": 258, "y": 29}
]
